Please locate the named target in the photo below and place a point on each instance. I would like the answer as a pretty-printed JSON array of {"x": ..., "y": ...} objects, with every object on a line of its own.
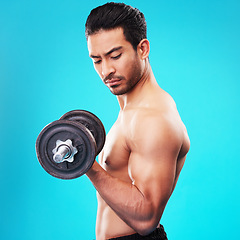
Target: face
[{"x": 116, "y": 62}]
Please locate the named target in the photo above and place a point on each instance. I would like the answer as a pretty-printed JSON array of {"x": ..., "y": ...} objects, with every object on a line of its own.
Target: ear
[{"x": 143, "y": 48}]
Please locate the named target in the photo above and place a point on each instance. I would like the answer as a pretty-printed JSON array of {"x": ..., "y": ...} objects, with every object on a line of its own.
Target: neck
[{"x": 142, "y": 89}]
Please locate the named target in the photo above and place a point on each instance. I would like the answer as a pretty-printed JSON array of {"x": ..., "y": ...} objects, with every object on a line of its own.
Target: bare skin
[{"x": 145, "y": 149}]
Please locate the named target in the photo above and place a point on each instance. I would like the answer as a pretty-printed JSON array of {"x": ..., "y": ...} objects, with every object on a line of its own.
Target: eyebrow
[{"x": 108, "y": 53}]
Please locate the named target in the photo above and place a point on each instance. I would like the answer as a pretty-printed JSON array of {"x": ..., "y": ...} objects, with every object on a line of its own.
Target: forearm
[{"x": 127, "y": 201}]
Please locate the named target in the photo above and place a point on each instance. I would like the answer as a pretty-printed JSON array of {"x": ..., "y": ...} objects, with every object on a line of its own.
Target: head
[
  {"x": 116, "y": 37},
  {"x": 115, "y": 15}
]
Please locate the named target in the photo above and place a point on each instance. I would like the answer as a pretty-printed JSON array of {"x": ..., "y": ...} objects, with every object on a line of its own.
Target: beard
[
  {"x": 126, "y": 84},
  {"x": 124, "y": 87}
]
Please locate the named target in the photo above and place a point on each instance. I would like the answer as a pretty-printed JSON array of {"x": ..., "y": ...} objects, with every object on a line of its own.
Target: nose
[{"x": 107, "y": 69}]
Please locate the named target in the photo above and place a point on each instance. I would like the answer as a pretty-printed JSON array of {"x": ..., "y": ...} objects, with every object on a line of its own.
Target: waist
[{"x": 158, "y": 234}]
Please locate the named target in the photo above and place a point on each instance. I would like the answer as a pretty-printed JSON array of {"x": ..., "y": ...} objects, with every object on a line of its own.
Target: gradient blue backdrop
[{"x": 45, "y": 71}]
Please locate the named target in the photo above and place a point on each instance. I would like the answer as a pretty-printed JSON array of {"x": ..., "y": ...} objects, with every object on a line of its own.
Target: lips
[{"x": 112, "y": 82}]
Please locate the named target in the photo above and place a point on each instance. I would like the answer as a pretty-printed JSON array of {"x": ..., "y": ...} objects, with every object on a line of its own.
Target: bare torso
[{"x": 115, "y": 156}]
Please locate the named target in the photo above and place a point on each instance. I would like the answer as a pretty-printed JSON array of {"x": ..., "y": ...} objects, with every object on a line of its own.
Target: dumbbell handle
[{"x": 64, "y": 151}]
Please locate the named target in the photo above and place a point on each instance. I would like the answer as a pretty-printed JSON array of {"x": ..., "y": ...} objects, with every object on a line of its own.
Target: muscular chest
[{"x": 115, "y": 155}]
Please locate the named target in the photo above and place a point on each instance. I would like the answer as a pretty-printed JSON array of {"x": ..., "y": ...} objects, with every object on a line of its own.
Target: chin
[{"x": 119, "y": 91}]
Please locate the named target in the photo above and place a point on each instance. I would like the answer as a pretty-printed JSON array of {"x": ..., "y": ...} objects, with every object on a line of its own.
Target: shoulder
[{"x": 154, "y": 129}]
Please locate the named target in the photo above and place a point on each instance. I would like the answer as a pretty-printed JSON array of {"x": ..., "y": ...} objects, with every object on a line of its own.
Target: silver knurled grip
[{"x": 64, "y": 151}]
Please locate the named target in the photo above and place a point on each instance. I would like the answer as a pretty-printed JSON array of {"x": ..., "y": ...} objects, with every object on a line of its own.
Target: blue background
[{"x": 45, "y": 71}]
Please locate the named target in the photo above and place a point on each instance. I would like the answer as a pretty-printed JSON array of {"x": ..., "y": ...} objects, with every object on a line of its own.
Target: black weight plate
[
  {"x": 90, "y": 121},
  {"x": 81, "y": 138}
]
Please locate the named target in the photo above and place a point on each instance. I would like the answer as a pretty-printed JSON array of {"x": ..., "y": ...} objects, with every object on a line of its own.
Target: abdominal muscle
[{"x": 108, "y": 224}]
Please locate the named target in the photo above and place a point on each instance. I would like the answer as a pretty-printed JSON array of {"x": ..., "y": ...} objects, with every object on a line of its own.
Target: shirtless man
[{"x": 147, "y": 146}]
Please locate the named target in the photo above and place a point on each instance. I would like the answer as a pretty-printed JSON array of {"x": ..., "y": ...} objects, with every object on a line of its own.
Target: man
[{"x": 146, "y": 148}]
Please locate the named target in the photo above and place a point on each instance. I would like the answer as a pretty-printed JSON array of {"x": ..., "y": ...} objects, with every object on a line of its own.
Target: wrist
[{"x": 92, "y": 171}]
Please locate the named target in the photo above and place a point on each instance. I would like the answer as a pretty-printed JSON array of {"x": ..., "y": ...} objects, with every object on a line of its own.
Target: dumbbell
[{"x": 67, "y": 148}]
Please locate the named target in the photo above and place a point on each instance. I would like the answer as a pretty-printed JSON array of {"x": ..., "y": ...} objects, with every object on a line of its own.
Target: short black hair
[{"x": 112, "y": 15}]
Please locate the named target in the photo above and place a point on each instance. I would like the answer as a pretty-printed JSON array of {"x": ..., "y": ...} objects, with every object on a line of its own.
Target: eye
[
  {"x": 117, "y": 57},
  {"x": 97, "y": 62}
]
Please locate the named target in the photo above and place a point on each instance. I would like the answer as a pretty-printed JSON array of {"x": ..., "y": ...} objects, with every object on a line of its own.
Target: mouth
[{"x": 113, "y": 82}]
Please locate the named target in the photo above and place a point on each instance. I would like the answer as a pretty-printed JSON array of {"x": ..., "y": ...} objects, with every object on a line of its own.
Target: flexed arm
[{"x": 152, "y": 168}]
